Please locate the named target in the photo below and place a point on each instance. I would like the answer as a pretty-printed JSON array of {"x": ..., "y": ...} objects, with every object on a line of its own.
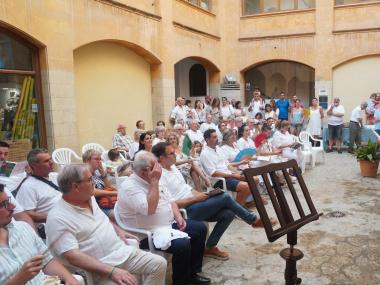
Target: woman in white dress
[
  {"x": 199, "y": 112},
  {"x": 316, "y": 115},
  {"x": 244, "y": 140},
  {"x": 229, "y": 148}
]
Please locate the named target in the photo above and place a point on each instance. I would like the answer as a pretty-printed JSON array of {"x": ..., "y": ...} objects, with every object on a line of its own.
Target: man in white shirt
[
  {"x": 199, "y": 205},
  {"x": 121, "y": 139},
  {"x": 335, "y": 124},
  {"x": 145, "y": 203},
  {"x": 208, "y": 124},
  {"x": 179, "y": 112},
  {"x": 356, "y": 125},
  {"x": 257, "y": 104},
  {"x": 24, "y": 258},
  {"x": 79, "y": 231},
  {"x": 213, "y": 162},
  {"x": 37, "y": 195},
  {"x": 193, "y": 133}
]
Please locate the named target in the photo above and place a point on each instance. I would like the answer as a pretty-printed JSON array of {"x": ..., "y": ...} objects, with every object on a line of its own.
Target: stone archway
[
  {"x": 272, "y": 77},
  {"x": 182, "y": 81}
]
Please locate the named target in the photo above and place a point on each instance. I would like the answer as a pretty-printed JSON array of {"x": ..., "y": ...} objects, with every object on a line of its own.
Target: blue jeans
[
  {"x": 187, "y": 254},
  {"x": 222, "y": 210}
]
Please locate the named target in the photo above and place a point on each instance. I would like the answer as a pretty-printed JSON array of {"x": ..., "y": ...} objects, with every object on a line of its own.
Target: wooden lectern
[{"x": 288, "y": 223}]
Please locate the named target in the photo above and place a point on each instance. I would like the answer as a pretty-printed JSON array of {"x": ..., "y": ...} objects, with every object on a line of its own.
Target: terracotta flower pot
[{"x": 369, "y": 168}]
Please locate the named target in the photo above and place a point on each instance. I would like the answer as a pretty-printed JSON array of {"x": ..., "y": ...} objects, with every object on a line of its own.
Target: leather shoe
[{"x": 197, "y": 279}]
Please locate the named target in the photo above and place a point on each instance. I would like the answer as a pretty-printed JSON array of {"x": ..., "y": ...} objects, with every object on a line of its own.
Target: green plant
[{"x": 370, "y": 152}]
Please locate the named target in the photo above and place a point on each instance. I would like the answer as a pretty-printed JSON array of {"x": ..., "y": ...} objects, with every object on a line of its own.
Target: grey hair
[
  {"x": 137, "y": 133},
  {"x": 142, "y": 161},
  {"x": 86, "y": 157},
  {"x": 32, "y": 155},
  {"x": 70, "y": 174},
  {"x": 177, "y": 126},
  {"x": 159, "y": 129}
]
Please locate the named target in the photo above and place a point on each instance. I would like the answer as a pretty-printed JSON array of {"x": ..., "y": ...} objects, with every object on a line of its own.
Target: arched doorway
[
  {"x": 21, "y": 105},
  {"x": 196, "y": 78},
  {"x": 355, "y": 80},
  {"x": 112, "y": 86},
  {"x": 273, "y": 77}
]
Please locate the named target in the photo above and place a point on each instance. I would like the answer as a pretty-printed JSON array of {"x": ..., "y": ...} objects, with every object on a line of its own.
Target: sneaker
[
  {"x": 214, "y": 252},
  {"x": 339, "y": 151}
]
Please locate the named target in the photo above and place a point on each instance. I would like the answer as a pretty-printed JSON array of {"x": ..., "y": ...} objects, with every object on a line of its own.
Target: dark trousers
[
  {"x": 355, "y": 135},
  {"x": 187, "y": 254},
  {"x": 220, "y": 209}
]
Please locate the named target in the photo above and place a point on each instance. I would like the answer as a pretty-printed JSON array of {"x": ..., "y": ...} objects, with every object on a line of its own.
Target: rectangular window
[
  {"x": 252, "y": 7},
  {"x": 347, "y": 2},
  {"x": 204, "y": 4},
  {"x": 287, "y": 5}
]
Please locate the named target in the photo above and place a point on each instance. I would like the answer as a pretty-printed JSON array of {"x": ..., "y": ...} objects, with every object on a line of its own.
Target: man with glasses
[
  {"x": 37, "y": 195},
  {"x": 24, "y": 258},
  {"x": 78, "y": 230}
]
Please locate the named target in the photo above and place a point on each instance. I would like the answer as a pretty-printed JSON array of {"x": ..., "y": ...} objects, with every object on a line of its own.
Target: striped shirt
[{"x": 23, "y": 244}]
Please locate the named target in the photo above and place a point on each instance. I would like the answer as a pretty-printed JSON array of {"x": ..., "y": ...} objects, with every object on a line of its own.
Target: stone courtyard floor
[{"x": 339, "y": 251}]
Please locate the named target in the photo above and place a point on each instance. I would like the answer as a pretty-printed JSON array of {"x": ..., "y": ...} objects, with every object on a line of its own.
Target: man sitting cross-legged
[
  {"x": 24, "y": 258},
  {"x": 200, "y": 206},
  {"x": 145, "y": 203},
  {"x": 80, "y": 232}
]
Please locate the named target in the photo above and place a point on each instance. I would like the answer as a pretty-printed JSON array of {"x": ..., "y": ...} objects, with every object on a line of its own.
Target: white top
[
  {"x": 257, "y": 107},
  {"x": 132, "y": 205},
  {"x": 229, "y": 152},
  {"x": 227, "y": 111},
  {"x": 334, "y": 120},
  {"x": 89, "y": 231},
  {"x": 23, "y": 244},
  {"x": 133, "y": 149},
  {"x": 213, "y": 160},
  {"x": 280, "y": 139},
  {"x": 200, "y": 115},
  {"x": 315, "y": 122},
  {"x": 356, "y": 114},
  {"x": 179, "y": 113},
  {"x": 175, "y": 183},
  {"x": 243, "y": 144},
  {"x": 206, "y": 126},
  {"x": 157, "y": 140},
  {"x": 195, "y": 135},
  {"x": 220, "y": 135},
  {"x": 37, "y": 195}
]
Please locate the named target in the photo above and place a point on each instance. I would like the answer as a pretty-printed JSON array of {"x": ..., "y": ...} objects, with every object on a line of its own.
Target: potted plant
[{"x": 368, "y": 157}]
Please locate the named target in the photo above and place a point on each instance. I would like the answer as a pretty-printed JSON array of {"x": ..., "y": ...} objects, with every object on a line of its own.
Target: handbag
[{"x": 107, "y": 202}]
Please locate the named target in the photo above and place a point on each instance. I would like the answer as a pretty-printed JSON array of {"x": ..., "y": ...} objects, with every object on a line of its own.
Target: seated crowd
[{"x": 83, "y": 216}]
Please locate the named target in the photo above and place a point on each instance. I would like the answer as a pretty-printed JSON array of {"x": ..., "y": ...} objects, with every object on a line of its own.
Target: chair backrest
[
  {"x": 304, "y": 136},
  {"x": 63, "y": 156},
  {"x": 94, "y": 146}
]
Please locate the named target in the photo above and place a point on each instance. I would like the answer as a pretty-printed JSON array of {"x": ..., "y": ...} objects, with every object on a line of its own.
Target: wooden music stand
[{"x": 288, "y": 225}]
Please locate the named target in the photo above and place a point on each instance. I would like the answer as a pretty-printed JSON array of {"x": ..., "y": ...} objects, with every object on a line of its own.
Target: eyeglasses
[{"x": 5, "y": 204}]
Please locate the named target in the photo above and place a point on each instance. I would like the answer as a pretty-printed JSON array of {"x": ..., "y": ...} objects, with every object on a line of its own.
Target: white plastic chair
[
  {"x": 63, "y": 156},
  {"x": 305, "y": 138},
  {"x": 214, "y": 180},
  {"x": 94, "y": 146}
]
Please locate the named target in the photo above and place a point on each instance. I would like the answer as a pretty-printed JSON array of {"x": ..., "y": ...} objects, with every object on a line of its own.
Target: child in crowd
[
  {"x": 196, "y": 149},
  {"x": 116, "y": 163}
]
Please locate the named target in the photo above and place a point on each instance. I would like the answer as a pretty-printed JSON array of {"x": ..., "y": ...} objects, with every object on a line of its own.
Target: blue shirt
[
  {"x": 377, "y": 115},
  {"x": 23, "y": 244},
  {"x": 283, "y": 107}
]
